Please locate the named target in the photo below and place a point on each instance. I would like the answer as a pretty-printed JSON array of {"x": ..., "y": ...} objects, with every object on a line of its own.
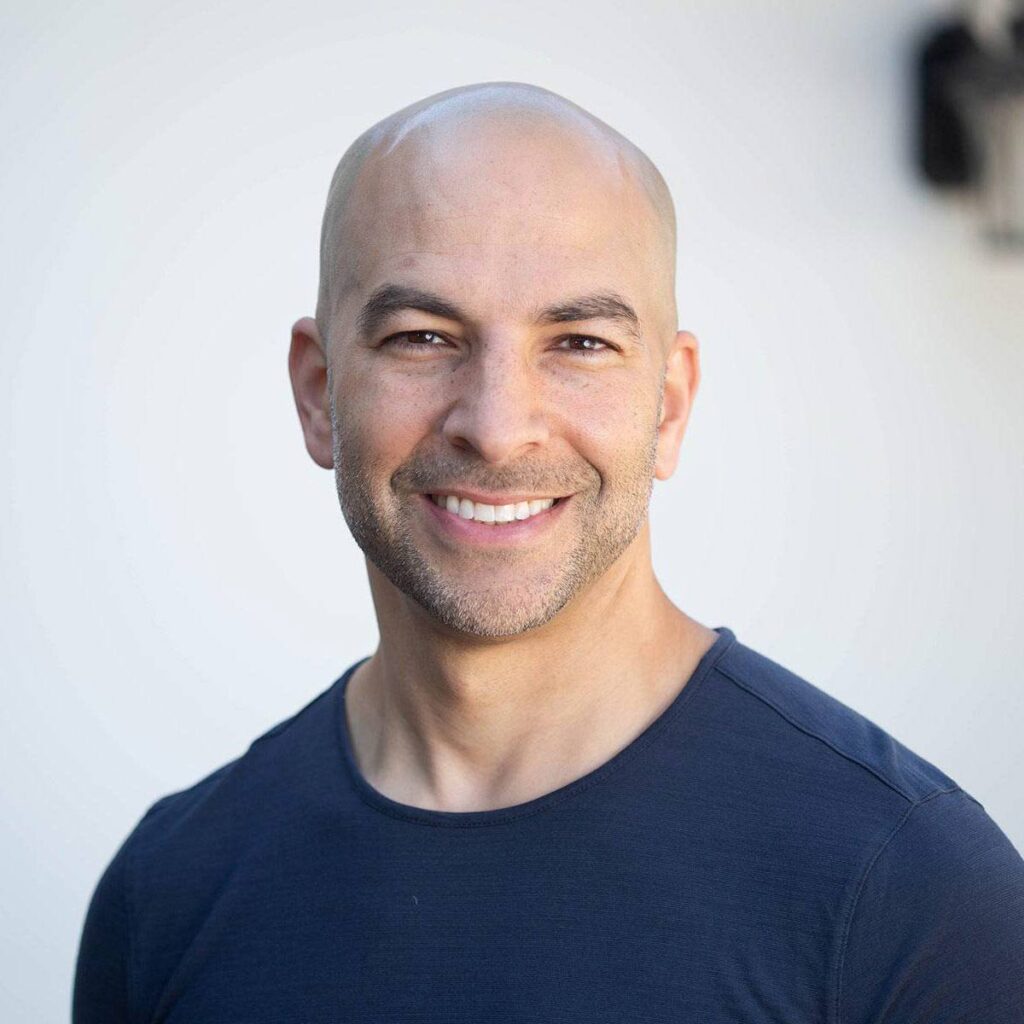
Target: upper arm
[
  {"x": 936, "y": 934},
  {"x": 101, "y": 989}
]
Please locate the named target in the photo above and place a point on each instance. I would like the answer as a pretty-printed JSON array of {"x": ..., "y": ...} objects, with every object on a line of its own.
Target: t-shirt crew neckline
[{"x": 501, "y": 815}]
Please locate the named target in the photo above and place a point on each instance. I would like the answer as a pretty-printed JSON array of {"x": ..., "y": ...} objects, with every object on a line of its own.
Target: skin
[{"x": 503, "y": 671}]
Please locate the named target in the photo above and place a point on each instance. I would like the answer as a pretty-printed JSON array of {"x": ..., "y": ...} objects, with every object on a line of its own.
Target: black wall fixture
[{"x": 970, "y": 119}]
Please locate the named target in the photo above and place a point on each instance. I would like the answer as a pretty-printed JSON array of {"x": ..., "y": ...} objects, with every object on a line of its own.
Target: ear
[
  {"x": 682, "y": 375},
  {"x": 307, "y": 365}
]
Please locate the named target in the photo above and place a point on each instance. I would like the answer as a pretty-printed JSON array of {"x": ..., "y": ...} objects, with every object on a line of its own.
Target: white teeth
[{"x": 491, "y": 514}]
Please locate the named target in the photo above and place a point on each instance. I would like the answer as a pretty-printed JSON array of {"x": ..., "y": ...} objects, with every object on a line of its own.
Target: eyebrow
[
  {"x": 601, "y": 306},
  {"x": 389, "y": 299}
]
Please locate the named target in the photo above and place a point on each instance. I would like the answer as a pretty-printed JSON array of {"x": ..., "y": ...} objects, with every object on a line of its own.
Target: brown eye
[
  {"x": 585, "y": 344},
  {"x": 424, "y": 339}
]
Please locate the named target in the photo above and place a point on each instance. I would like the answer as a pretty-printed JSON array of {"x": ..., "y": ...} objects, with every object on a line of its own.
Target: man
[{"x": 549, "y": 794}]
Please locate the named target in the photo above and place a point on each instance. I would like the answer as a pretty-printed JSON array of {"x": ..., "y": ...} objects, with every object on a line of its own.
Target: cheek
[
  {"x": 610, "y": 419},
  {"x": 382, "y": 416}
]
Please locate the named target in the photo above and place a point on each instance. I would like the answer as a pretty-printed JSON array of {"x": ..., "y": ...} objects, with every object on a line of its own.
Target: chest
[{"x": 441, "y": 937}]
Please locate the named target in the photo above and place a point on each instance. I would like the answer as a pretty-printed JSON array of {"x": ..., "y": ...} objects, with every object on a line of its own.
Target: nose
[{"x": 498, "y": 410}]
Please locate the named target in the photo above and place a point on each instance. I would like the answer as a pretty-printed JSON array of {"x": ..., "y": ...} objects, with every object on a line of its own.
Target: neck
[{"x": 459, "y": 724}]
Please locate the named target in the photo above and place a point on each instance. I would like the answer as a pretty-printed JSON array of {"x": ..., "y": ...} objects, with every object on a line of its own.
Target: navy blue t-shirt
[{"x": 759, "y": 853}]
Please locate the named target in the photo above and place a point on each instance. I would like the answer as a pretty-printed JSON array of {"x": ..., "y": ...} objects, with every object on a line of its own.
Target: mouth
[
  {"x": 493, "y": 514},
  {"x": 461, "y": 518}
]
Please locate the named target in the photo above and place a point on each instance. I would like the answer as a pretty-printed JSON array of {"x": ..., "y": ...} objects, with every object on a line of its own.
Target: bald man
[{"x": 548, "y": 794}]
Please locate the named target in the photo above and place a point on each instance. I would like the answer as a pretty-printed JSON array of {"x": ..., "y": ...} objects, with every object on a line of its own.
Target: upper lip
[{"x": 492, "y": 499}]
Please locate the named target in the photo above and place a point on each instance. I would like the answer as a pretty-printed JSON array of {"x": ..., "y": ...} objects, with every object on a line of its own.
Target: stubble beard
[{"x": 606, "y": 526}]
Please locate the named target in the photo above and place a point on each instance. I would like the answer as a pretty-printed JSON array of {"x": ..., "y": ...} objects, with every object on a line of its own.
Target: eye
[
  {"x": 583, "y": 343},
  {"x": 430, "y": 339}
]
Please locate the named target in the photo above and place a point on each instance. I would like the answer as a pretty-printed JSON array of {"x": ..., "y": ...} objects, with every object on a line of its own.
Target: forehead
[{"x": 514, "y": 208}]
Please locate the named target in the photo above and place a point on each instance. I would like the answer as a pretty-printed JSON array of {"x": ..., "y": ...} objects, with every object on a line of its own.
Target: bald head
[{"x": 503, "y": 124}]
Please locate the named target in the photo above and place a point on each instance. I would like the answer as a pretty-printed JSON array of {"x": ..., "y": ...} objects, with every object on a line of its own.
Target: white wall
[{"x": 176, "y": 576}]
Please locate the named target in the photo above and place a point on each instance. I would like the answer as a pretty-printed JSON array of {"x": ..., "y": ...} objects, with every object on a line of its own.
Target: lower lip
[{"x": 469, "y": 531}]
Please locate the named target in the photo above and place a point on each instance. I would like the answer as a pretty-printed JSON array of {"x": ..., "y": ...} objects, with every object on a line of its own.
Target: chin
[
  {"x": 461, "y": 605},
  {"x": 489, "y": 618}
]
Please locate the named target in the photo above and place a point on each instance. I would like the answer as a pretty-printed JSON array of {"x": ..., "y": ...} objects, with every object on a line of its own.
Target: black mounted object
[
  {"x": 950, "y": 63},
  {"x": 944, "y": 148}
]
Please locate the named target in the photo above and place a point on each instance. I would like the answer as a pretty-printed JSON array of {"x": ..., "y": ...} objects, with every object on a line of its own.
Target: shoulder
[
  {"x": 831, "y": 735},
  {"x": 226, "y": 807},
  {"x": 935, "y": 926},
  {"x": 180, "y": 857},
  {"x": 929, "y": 919}
]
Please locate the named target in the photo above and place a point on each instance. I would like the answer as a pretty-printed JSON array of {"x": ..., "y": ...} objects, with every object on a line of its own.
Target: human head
[
  {"x": 499, "y": 200},
  {"x": 491, "y": 100}
]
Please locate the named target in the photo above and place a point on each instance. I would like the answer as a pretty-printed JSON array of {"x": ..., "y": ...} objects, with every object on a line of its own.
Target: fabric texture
[{"x": 760, "y": 853}]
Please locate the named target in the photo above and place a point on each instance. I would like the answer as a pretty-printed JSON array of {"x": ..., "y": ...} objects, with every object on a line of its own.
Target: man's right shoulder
[
  {"x": 235, "y": 798},
  {"x": 179, "y": 861}
]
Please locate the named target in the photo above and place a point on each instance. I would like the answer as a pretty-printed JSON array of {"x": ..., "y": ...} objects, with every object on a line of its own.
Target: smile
[
  {"x": 488, "y": 524},
  {"x": 492, "y": 515}
]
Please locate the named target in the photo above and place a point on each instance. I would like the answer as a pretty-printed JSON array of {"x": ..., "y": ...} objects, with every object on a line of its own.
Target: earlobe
[
  {"x": 307, "y": 367},
  {"x": 682, "y": 376}
]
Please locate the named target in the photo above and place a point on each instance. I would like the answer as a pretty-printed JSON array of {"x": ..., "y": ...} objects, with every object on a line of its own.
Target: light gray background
[{"x": 176, "y": 575}]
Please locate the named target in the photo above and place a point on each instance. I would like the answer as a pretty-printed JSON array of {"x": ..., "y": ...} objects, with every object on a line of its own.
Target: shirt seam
[
  {"x": 814, "y": 735},
  {"x": 846, "y": 921}
]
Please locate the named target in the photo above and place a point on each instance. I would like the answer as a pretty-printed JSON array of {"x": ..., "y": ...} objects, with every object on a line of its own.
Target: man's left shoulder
[
  {"x": 935, "y": 928},
  {"x": 831, "y": 736}
]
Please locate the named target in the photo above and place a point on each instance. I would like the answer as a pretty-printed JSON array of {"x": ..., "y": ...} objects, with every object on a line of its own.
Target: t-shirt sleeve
[
  {"x": 101, "y": 975},
  {"x": 936, "y": 935}
]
